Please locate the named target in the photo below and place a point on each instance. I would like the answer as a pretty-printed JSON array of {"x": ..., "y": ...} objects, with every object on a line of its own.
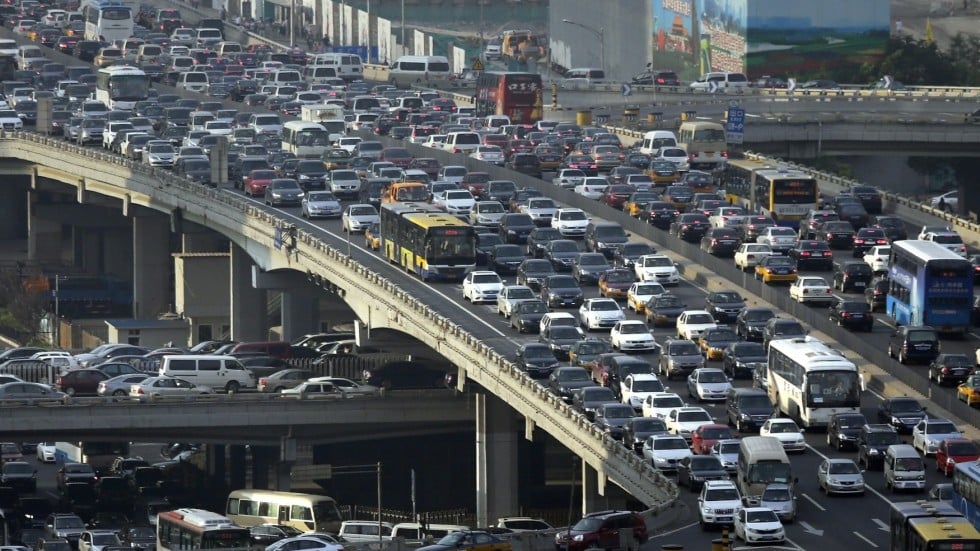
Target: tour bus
[
  {"x": 762, "y": 460},
  {"x": 187, "y": 529},
  {"x": 307, "y": 140},
  {"x": 305, "y": 512},
  {"x": 107, "y": 20},
  {"x": 705, "y": 143},
  {"x": 929, "y": 285},
  {"x": 809, "y": 382}
]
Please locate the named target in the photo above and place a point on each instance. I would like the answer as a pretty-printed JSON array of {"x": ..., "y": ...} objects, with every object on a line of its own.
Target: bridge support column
[
  {"x": 152, "y": 265},
  {"x": 300, "y": 314},
  {"x": 496, "y": 459},
  {"x": 262, "y": 460},
  {"x": 43, "y": 239},
  {"x": 236, "y": 467},
  {"x": 598, "y": 494},
  {"x": 217, "y": 461},
  {"x": 248, "y": 304}
]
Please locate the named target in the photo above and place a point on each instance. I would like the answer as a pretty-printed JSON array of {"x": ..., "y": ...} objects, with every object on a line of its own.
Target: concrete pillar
[
  {"x": 87, "y": 246},
  {"x": 284, "y": 465},
  {"x": 262, "y": 460},
  {"x": 248, "y": 304},
  {"x": 236, "y": 467},
  {"x": 117, "y": 253},
  {"x": 496, "y": 460},
  {"x": 199, "y": 239},
  {"x": 43, "y": 240},
  {"x": 13, "y": 215},
  {"x": 598, "y": 494},
  {"x": 151, "y": 265},
  {"x": 217, "y": 462},
  {"x": 300, "y": 314}
]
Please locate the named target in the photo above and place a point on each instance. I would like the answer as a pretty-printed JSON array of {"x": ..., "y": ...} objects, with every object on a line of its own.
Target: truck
[{"x": 330, "y": 116}]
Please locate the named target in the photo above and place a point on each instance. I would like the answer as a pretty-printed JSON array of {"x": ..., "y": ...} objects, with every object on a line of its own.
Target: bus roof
[
  {"x": 282, "y": 497},
  {"x": 812, "y": 354},
  {"x": 202, "y": 518},
  {"x": 429, "y": 220},
  {"x": 303, "y": 125},
  {"x": 783, "y": 172},
  {"x": 944, "y": 528},
  {"x": 127, "y": 69},
  {"x": 925, "y": 251},
  {"x": 921, "y": 508},
  {"x": 763, "y": 448}
]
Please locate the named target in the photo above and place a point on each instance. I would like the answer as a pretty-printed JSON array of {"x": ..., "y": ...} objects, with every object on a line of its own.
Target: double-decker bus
[
  {"x": 426, "y": 241},
  {"x": 97, "y": 454},
  {"x": 305, "y": 512},
  {"x": 516, "y": 95},
  {"x": 929, "y": 285},
  {"x": 783, "y": 193},
  {"x": 931, "y": 526},
  {"x": 121, "y": 86},
  {"x": 187, "y": 529},
  {"x": 809, "y": 381},
  {"x": 966, "y": 491},
  {"x": 107, "y": 20}
]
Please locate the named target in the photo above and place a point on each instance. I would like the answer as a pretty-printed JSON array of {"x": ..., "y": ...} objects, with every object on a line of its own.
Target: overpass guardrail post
[{"x": 688, "y": 115}]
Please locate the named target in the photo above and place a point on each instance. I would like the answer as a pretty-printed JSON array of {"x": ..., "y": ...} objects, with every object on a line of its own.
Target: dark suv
[
  {"x": 747, "y": 408},
  {"x": 872, "y": 443},
  {"x": 852, "y": 275},
  {"x": 915, "y": 343},
  {"x": 604, "y": 237},
  {"x": 844, "y": 429},
  {"x": 601, "y": 530},
  {"x": 782, "y": 328}
]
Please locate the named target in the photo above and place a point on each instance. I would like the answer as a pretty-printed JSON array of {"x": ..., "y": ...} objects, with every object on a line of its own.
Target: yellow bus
[
  {"x": 426, "y": 241},
  {"x": 782, "y": 192},
  {"x": 305, "y": 512},
  {"x": 706, "y": 144},
  {"x": 931, "y": 526}
]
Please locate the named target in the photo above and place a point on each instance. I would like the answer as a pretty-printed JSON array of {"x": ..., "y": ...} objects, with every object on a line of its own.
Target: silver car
[
  {"x": 727, "y": 452},
  {"x": 665, "y": 451},
  {"x": 120, "y": 384},
  {"x": 840, "y": 476},
  {"x": 153, "y": 387},
  {"x": 320, "y": 203},
  {"x": 357, "y": 218},
  {"x": 779, "y": 498}
]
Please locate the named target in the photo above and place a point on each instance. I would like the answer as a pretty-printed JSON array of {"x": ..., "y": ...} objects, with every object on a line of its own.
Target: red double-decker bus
[{"x": 516, "y": 95}]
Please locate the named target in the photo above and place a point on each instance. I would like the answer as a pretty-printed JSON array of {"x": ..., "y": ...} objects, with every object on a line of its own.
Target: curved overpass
[{"x": 377, "y": 301}]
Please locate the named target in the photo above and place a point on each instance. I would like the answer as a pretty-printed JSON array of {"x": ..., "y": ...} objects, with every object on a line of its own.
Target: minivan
[
  {"x": 747, "y": 408},
  {"x": 413, "y": 531},
  {"x": 412, "y": 69},
  {"x": 904, "y": 469},
  {"x": 655, "y": 139},
  {"x": 214, "y": 371},
  {"x": 275, "y": 349},
  {"x": 346, "y": 66},
  {"x": 586, "y": 76},
  {"x": 193, "y": 81},
  {"x": 721, "y": 81},
  {"x": 914, "y": 343}
]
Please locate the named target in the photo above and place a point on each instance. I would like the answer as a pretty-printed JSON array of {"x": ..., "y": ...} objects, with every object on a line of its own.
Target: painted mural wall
[{"x": 693, "y": 37}]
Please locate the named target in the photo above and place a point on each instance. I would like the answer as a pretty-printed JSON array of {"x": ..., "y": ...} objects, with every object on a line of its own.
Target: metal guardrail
[{"x": 845, "y": 91}]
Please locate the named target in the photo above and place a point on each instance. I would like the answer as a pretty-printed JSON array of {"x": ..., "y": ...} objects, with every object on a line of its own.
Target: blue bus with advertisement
[
  {"x": 929, "y": 285},
  {"x": 966, "y": 491}
]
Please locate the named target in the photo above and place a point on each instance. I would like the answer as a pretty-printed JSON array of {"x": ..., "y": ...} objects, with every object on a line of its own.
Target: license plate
[{"x": 859, "y": 284}]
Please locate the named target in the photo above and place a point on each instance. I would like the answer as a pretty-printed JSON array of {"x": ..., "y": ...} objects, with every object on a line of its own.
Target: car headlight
[
  {"x": 578, "y": 537},
  {"x": 896, "y": 420},
  {"x": 873, "y": 451},
  {"x": 707, "y": 510}
]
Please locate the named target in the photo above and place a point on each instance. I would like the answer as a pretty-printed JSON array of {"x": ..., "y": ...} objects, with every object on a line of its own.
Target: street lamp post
[{"x": 600, "y": 33}]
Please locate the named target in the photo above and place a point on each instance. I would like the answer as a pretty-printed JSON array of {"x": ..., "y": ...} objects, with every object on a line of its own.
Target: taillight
[
  {"x": 262, "y": 381},
  {"x": 858, "y": 241},
  {"x": 724, "y": 154},
  {"x": 139, "y": 390}
]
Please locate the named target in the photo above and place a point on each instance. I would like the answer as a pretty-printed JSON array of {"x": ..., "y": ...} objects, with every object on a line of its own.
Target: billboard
[
  {"x": 383, "y": 41},
  {"x": 694, "y": 37},
  {"x": 363, "y": 37}
]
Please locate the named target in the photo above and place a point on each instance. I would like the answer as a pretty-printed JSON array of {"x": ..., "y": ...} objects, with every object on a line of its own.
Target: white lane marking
[
  {"x": 866, "y": 540},
  {"x": 815, "y": 504},
  {"x": 866, "y": 487},
  {"x": 810, "y": 529},
  {"x": 675, "y": 530},
  {"x": 881, "y": 525}
]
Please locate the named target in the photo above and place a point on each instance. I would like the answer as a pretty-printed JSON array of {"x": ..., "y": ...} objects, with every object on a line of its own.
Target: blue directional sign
[
  {"x": 735, "y": 126},
  {"x": 277, "y": 240}
]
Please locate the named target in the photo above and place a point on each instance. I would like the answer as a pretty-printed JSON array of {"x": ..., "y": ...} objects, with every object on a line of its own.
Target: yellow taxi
[
  {"x": 549, "y": 157},
  {"x": 372, "y": 236},
  {"x": 34, "y": 34},
  {"x": 969, "y": 391},
  {"x": 335, "y": 158},
  {"x": 615, "y": 283},
  {"x": 713, "y": 342},
  {"x": 662, "y": 171},
  {"x": 776, "y": 269},
  {"x": 635, "y": 204}
]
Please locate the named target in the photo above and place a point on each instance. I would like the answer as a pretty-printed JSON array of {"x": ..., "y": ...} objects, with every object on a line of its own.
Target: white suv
[{"x": 718, "y": 503}]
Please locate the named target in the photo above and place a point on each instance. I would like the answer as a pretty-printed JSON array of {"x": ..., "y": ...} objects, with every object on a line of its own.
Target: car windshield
[
  {"x": 593, "y": 260},
  {"x": 693, "y": 416},
  {"x": 652, "y": 385},
  {"x": 962, "y": 448},
  {"x": 922, "y": 336},
  {"x": 726, "y": 297},
  {"x": 909, "y": 464},
  {"x": 619, "y": 276},
  {"x": 669, "y": 444},
  {"x": 538, "y": 352},
  {"x": 776, "y": 494},
  {"x": 729, "y": 447},
  {"x": 573, "y": 215},
  {"x": 761, "y": 515},
  {"x": 844, "y": 467},
  {"x": 564, "y": 332},
  {"x": 783, "y": 428},
  {"x": 486, "y": 278},
  {"x": 905, "y": 406},
  {"x": 957, "y": 360},
  {"x": 656, "y": 262},
  {"x": 712, "y": 377},
  {"x": 575, "y": 375},
  {"x": 604, "y": 305},
  {"x": 535, "y": 307},
  {"x": 782, "y": 232},
  {"x": 18, "y": 468},
  {"x": 715, "y": 434},
  {"x": 721, "y": 334},
  {"x": 649, "y": 289},
  {"x": 668, "y": 402},
  {"x": 520, "y": 293},
  {"x": 722, "y": 494},
  {"x": 790, "y": 328},
  {"x": 748, "y": 349},
  {"x": 940, "y": 428},
  {"x": 71, "y": 522},
  {"x": 699, "y": 319},
  {"x": 684, "y": 348},
  {"x": 633, "y": 328}
]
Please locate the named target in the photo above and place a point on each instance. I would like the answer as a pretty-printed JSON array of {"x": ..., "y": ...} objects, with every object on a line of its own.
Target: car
[
  {"x": 950, "y": 368},
  {"x": 967, "y": 392},
  {"x": 840, "y": 476},
  {"x": 588, "y": 267},
  {"x": 893, "y": 226},
  {"x": 779, "y": 238},
  {"x": 585, "y": 352},
  {"x": 46, "y": 452},
  {"x": 780, "y": 499},
  {"x": 866, "y": 238},
  {"x": 639, "y": 293},
  {"x": 786, "y": 431},
  {"x": 602, "y": 530},
  {"x": 81, "y": 382},
  {"x": 155, "y": 387},
  {"x": 74, "y": 472},
  {"x": 708, "y": 383},
  {"x": 482, "y": 286},
  {"x": 561, "y": 253},
  {"x": 612, "y": 419},
  {"x": 267, "y": 534},
  {"x": 837, "y": 234},
  {"x": 560, "y": 338},
  {"x": 749, "y": 255},
  {"x": 913, "y": 343},
  {"x": 537, "y": 360},
  {"x": 98, "y": 540},
  {"x": 876, "y": 294},
  {"x": 626, "y": 255},
  {"x": 540, "y": 209},
  {"x": 359, "y": 217},
  {"x": 571, "y": 222},
  {"x": 776, "y": 269},
  {"x": 782, "y": 328},
  {"x": 568, "y": 178},
  {"x": 955, "y": 450},
  {"x": 718, "y": 503},
  {"x": 713, "y": 342},
  {"x": 342, "y": 386},
  {"x": 751, "y": 322},
  {"x": 515, "y": 227},
  {"x": 317, "y": 204},
  {"x": 852, "y": 314},
  {"x": 873, "y": 440},
  {"x": 948, "y": 202},
  {"x": 656, "y": 267},
  {"x": 14, "y": 391},
  {"x": 843, "y": 429},
  {"x": 487, "y": 213},
  {"x": 19, "y": 475},
  {"x": 639, "y": 429},
  {"x": 614, "y": 283},
  {"x": 689, "y": 227},
  {"x": 811, "y": 289},
  {"x": 120, "y": 384},
  {"x": 679, "y": 358},
  {"x": 306, "y": 542},
  {"x": 565, "y": 381},
  {"x": 635, "y": 388},
  {"x": 561, "y": 291},
  {"x": 660, "y": 404},
  {"x": 928, "y": 433},
  {"x": 726, "y": 450},
  {"x": 692, "y": 323},
  {"x": 852, "y": 275},
  {"x": 281, "y": 380},
  {"x": 758, "y": 525},
  {"x": 684, "y": 421},
  {"x": 526, "y": 315},
  {"x": 511, "y": 295},
  {"x": 741, "y": 359},
  {"x": 696, "y": 470},
  {"x": 724, "y": 306},
  {"x": 588, "y": 400},
  {"x": 664, "y": 451},
  {"x": 948, "y": 239},
  {"x": 599, "y": 313},
  {"x": 632, "y": 336},
  {"x": 705, "y": 436}
]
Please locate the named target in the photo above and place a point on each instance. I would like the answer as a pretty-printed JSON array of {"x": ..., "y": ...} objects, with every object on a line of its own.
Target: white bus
[
  {"x": 306, "y": 140},
  {"x": 187, "y": 529},
  {"x": 107, "y": 20},
  {"x": 304, "y": 512},
  {"x": 97, "y": 454},
  {"x": 121, "y": 86},
  {"x": 809, "y": 381}
]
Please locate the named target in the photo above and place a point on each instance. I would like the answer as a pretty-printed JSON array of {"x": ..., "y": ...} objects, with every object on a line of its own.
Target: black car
[
  {"x": 951, "y": 368},
  {"x": 86, "y": 50},
  {"x": 852, "y": 314},
  {"x": 724, "y": 306},
  {"x": 837, "y": 234},
  {"x": 564, "y": 381},
  {"x": 525, "y": 163},
  {"x": 751, "y": 322},
  {"x": 612, "y": 419},
  {"x": 876, "y": 293},
  {"x": 560, "y": 338},
  {"x": 750, "y": 227},
  {"x": 537, "y": 240},
  {"x": 144, "y": 537},
  {"x": 865, "y": 238},
  {"x": 561, "y": 291},
  {"x": 505, "y": 258},
  {"x": 914, "y": 343},
  {"x": 587, "y": 267},
  {"x": 588, "y": 400},
  {"x": 537, "y": 360},
  {"x": 852, "y": 275},
  {"x": 498, "y": 190},
  {"x": 893, "y": 226},
  {"x": 741, "y": 359},
  {"x": 782, "y": 328},
  {"x": 853, "y": 213},
  {"x": 813, "y": 254},
  {"x": 975, "y": 260},
  {"x": 525, "y": 316},
  {"x": 638, "y": 429},
  {"x": 720, "y": 242},
  {"x": 627, "y": 253},
  {"x": 873, "y": 441},
  {"x": 813, "y": 222},
  {"x": 485, "y": 242},
  {"x": 561, "y": 253},
  {"x": 902, "y": 413},
  {"x": 843, "y": 430},
  {"x": 404, "y": 375},
  {"x": 694, "y": 470},
  {"x": 659, "y": 214},
  {"x": 267, "y": 534},
  {"x": 690, "y": 227},
  {"x": 19, "y": 475},
  {"x": 657, "y": 78},
  {"x": 533, "y": 271},
  {"x": 515, "y": 227},
  {"x": 663, "y": 310}
]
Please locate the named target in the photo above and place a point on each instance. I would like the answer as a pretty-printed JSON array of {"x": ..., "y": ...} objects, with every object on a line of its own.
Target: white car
[
  {"x": 948, "y": 239},
  {"x": 510, "y": 295},
  {"x": 434, "y": 141},
  {"x": 758, "y": 525},
  {"x": 358, "y": 218},
  {"x": 811, "y": 289},
  {"x": 592, "y": 187},
  {"x": 708, "y": 383},
  {"x": 725, "y": 216},
  {"x": 97, "y": 540},
  {"x": 640, "y": 292},
  {"x": 489, "y": 154},
  {"x": 656, "y": 267},
  {"x": 540, "y": 209},
  {"x": 950, "y": 201},
  {"x": 320, "y": 203},
  {"x": 877, "y": 257},
  {"x": 636, "y": 387},
  {"x": 632, "y": 335},
  {"x": 482, "y": 286},
  {"x": 929, "y": 433},
  {"x": 153, "y": 387},
  {"x": 748, "y": 255},
  {"x": 218, "y": 128},
  {"x": 786, "y": 431},
  {"x": 718, "y": 503},
  {"x": 676, "y": 155},
  {"x": 47, "y": 452},
  {"x": 348, "y": 143},
  {"x": 600, "y": 313},
  {"x": 458, "y": 202},
  {"x": 659, "y": 404},
  {"x": 691, "y": 323},
  {"x": 778, "y": 238},
  {"x": 684, "y": 421},
  {"x": 570, "y": 222},
  {"x": 348, "y": 387},
  {"x": 556, "y": 318},
  {"x": 568, "y": 178},
  {"x": 665, "y": 451}
]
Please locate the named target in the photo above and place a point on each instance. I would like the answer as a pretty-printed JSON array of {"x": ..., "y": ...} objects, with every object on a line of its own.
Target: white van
[
  {"x": 904, "y": 469},
  {"x": 348, "y": 66},
  {"x": 193, "y": 81},
  {"x": 199, "y": 119},
  {"x": 462, "y": 142},
  {"x": 655, "y": 139},
  {"x": 284, "y": 77},
  {"x": 412, "y": 531},
  {"x": 225, "y": 48},
  {"x": 216, "y": 372},
  {"x": 365, "y": 531},
  {"x": 417, "y": 69},
  {"x": 584, "y": 76},
  {"x": 208, "y": 37},
  {"x": 721, "y": 81},
  {"x": 319, "y": 74}
]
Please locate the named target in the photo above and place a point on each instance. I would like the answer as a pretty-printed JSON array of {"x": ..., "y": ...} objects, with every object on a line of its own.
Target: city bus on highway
[
  {"x": 107, "y": 20},
  {"x": 121, "y": 86},
  {"x": 930, "y": 526},
  {"x": 516, "y": 95},
  {"x": 784, "y": 193},
  {"x": 929, "y": 285},
  {"x": 966, "y": 491},
  {"x": 808, "y": 381},
  {"x": 97, "y": 454},
  {"x": 187, "y": 529},
  {"x": 428, "y": 242},
  {"x": 305, "y": 512}
]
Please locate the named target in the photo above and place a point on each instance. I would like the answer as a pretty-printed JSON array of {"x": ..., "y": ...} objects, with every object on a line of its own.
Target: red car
[
  {"x": 257, "y": 180},
  {"x": 955, "y": 450},
  {"x": 81, "y": 382},
  {"x": 616, "y": 195},
  {"x": 705, "y": 436}
]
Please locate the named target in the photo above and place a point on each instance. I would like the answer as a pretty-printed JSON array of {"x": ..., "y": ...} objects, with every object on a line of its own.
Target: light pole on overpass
[{"x": 600, "y": 33}]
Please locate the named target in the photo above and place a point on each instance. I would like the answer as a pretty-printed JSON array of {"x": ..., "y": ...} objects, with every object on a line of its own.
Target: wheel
[
  {"x": 278, "y": 389},
  {"x": 119, "y": 392},
  {"x": 70, "y": 391},
  {"x": 901, "y": 357},
  {"x": 232, "y": 387},
  {"x": 891, "y": 354}
]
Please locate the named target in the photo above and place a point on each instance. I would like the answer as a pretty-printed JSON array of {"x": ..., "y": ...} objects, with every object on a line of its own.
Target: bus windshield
[
  {"x": 833, "y": 388},
  {"x": 709, "y": 135},
  {"x": 450, "y": 246},
  {"x": 769, "y": 472}
]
